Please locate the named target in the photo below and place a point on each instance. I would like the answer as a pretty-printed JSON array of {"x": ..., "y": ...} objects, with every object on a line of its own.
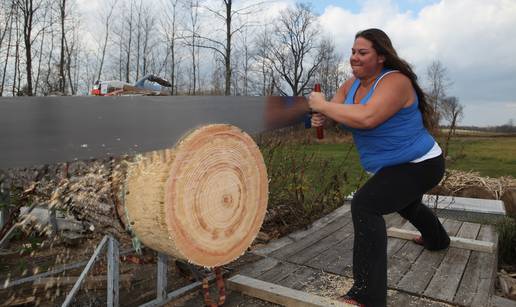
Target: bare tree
[
  {"x": 107, "y": 22},
  {"x": 62, "y": 21},
  {"x": 247, "y": 58},
  {"x": 191, "y": 40},
  {"x": 148, "y": 23},
  {"x": 50, "y": 84},
  {"x": 438, "y": 84},
  {"x": 129, "y": 41},
  {"x": 17, "y": 74},
  {"x": 71, "y": 50},
  {"x": 227, "y": 14},
  {"x": 330, "y": 73},
  {"x": 263, "y": 64},
  {"x": 28, "y": 10},
  {"x": 451, "y": 111},
  {"x": 294, "y": 49},
  {"x": 8, "y": 28},
  {"x": 170, "y": 26},
  {"x": 47, "y": 23}
]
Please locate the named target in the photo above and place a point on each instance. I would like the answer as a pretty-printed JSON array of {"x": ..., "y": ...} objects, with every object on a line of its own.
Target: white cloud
[{"x": 474, "y": 39}]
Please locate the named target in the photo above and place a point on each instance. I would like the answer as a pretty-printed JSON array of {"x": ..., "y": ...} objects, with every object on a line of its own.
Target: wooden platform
[{"x": 416, "y": 277}]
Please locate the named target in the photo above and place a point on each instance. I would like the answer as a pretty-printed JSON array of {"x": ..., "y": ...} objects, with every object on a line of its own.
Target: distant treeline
[{"x": 507, "y": 128}]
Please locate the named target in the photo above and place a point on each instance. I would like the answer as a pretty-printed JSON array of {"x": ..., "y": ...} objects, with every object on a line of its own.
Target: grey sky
[{"x": 474, "y": 39}]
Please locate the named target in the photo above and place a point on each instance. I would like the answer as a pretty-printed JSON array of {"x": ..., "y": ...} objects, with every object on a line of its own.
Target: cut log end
[{"x": 204, "y": 200}]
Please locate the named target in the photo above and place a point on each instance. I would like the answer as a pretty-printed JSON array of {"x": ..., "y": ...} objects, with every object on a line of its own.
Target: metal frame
[
  {"x": 113, "y": 278},
  {"x": 113, "y": 289}
]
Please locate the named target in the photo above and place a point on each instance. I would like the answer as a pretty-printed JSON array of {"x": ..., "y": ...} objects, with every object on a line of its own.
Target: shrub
[
  {"x": 303, "y": 186},
  {"x": 507, "y": 241}
]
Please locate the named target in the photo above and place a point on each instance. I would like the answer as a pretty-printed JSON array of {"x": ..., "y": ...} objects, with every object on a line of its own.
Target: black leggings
[{"x": 399, "y": 189}]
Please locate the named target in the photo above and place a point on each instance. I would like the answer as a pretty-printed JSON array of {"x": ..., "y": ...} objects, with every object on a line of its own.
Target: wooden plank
[
  {"x": 278, "y": 294},
  {"x": 399, "y": 298},
  {"x": 321, "y": 223},
  {"x": 280, "y": 271},
  {"x": 291, "y": 249},
  {"x": 161, "y": 278},
  {"x": 463, "y": 243},
  {"x": 423, "y": 269},
  {"x": 445, "y": 282},
  {"x": 498, "y": 301},
  {"x": 395, "y": 244},
  {"x": 394, "y": 220},
  {"x": 399, "y": 262},
  {"x": 321, "y": 246},
  {"x": 259, "y": 267},
  {"x": 478, "y": 281},
  {"x": 300, "y": 278},
  {"x": 113, "y": 283},
  {"x": 337, "y": 260},
  {"x": 489, "y": 206}
]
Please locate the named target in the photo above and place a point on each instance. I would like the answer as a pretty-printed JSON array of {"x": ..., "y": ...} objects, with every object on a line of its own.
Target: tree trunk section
[{"x": 203, "y": 201}]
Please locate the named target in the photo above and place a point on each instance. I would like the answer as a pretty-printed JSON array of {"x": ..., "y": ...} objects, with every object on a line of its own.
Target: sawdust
[{"x": 327, "y": 285}]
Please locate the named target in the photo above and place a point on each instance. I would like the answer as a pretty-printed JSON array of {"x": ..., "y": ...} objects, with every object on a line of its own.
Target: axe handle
[{"x": 320, "y": 129}]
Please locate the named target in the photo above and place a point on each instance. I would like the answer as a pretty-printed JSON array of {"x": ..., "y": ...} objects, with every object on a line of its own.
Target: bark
[
  {"x": 62, "y": 77},
  {"x": 138, "y": 40},
  {"x": 16, "y": 78},
  {"x": 227, "y": 57},
  {"x": 106, "y": 38},
  {"x": 40, "y": 59},
  {"x": 4, "y": 72},
  {"x": 129, "y": 41}
]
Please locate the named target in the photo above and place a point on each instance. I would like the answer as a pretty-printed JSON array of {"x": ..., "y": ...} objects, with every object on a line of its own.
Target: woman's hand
[
  {"x": 316, "y": 101},
  {"x": 318, "y": 120}
]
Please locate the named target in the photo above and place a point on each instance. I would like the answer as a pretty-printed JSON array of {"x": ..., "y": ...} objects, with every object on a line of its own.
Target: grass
[
  {"x": 507, "y": 241},
  {"x": 493, "y": 157}
]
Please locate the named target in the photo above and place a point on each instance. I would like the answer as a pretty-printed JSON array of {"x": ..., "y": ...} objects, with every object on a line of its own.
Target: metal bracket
[{"x": 113, "y": 255}]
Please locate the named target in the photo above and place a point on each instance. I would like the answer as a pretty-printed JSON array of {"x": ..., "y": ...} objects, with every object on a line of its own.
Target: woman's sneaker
[
  {"x": 348, "y": 300},
  {"x": 419, "y": 240}
]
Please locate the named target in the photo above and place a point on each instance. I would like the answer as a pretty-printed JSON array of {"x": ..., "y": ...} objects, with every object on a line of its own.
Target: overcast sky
[{"x": 474, "y": 39}]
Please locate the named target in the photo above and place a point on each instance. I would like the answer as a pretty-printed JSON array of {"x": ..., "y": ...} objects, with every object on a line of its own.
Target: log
[
  {"x": 278, "y": 294},
  {"x": 203, "y": 201},
  {"x": 475, "y": 245}
]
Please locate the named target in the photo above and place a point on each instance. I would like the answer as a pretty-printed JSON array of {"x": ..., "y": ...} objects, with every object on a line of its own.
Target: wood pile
[
  {"x": 507, "y": 284},
  {"x": 471, "y": 184},
  {"x": 456, "y": 181}
]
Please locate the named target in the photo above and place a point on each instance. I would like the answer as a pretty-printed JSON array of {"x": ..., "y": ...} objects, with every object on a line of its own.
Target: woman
[{"x": 387, "y": 113}]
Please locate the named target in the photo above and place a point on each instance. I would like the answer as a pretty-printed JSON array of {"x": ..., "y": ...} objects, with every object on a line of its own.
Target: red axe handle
[{"x": 320, "y": 129}]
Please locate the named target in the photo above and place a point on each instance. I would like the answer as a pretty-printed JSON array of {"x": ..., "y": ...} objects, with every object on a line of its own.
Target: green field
[{"x": 490, "y": 156}]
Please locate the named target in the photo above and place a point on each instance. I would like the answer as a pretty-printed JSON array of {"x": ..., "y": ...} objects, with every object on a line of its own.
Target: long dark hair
[{"x": 383, "y": 46}]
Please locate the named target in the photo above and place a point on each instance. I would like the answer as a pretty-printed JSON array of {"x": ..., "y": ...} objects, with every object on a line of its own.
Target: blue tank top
[{"x": 400, "y": 139}]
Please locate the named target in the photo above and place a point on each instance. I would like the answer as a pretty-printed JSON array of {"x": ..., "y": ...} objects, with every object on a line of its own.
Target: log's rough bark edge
[{"x": 160, "y": 211}]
